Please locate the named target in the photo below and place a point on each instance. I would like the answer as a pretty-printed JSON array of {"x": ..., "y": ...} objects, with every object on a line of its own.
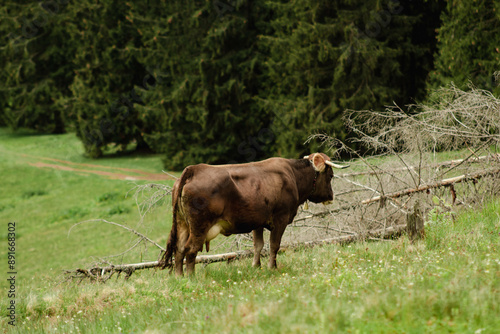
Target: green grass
[
  {"x": 45, "y": 203},
  {"x": 67, "y": 147},
  {"x": 448, "y": 283}
]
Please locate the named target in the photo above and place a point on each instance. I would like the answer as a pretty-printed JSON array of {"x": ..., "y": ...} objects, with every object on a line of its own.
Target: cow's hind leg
[
  {"x": 258, "y": 244},
  {"x": 180, "y": 250},
  {"x": 193, "y": 246}
]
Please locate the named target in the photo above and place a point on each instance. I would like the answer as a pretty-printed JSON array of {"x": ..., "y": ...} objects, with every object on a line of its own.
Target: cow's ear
[{"x": 318, "y": 162}]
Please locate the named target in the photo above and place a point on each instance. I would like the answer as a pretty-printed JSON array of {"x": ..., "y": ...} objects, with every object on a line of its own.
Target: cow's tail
[{"x": 166, "y": 260}]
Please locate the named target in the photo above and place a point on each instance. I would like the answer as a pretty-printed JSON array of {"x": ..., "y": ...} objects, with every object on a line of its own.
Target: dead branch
[
  {"x": 346, "y": 239},
  {"x": 160, "y": 191},
  {"x": 171, "y": 175},
  {"x": 330, "y": 143},
  {"x": 458, "y": 119},
  {"x": 323, "y": 227},
  {"x": 142, "y": 236},
  {"x": 472, "y": 158},
  {"x": 102, "y": 274},
  {"x": 450, "y": 163},
  {"x": 452, "y": 119},
  {"x": 359, "y": 185},
  {"x": 442, "y": 183}
]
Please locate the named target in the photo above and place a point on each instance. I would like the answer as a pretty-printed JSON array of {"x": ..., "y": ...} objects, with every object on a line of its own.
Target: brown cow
[{"x": 229, "y": 199}]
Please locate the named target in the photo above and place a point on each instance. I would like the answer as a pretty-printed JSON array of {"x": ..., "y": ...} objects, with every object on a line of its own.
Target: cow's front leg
[
  {"x": 258, "y": 244},
  {"x": 275, "y": 241}
]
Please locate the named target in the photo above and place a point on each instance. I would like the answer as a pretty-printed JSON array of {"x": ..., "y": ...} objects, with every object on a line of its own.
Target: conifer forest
[{"x": 221, "y": 81}]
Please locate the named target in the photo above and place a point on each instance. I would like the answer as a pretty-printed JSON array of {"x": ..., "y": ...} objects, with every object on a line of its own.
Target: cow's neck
[{"x": 305, "y": 176}]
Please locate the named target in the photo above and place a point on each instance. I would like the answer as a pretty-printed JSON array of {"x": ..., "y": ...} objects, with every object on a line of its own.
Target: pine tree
[
  {"x": 106, "y": 72},
  {"x": 210, "y": 81},
  {"x": 468, "y": 45},
  {"x": 37, "y": 65},
  {"x": 326, "y": 57},
  {"x": 207, "y": 68}
]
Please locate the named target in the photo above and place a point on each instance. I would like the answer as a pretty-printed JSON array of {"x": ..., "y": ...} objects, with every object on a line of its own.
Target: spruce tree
[
  {"x": 210, "y": 81},
  {"x": 106, "y": 71},
  {"x": 202, "y": 100},
  {"x": 36, "y": 65},
  {"x": 329, "y": 56},
  {"x": 468, "y": 45}
]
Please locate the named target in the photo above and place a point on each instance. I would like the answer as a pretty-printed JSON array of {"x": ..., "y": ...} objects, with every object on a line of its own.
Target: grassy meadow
[{"x": 447, "y": 283}]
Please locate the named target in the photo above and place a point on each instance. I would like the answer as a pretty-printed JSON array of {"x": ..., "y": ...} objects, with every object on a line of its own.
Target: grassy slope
[
  {"x": 45, "y": 203},
  {"x": 448, "y": 283}
]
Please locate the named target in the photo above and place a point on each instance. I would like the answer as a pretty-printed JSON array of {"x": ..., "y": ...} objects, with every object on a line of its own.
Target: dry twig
[{"x": 103, "y": 274}]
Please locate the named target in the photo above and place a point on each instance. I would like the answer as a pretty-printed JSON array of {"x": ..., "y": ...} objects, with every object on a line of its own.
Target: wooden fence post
[{"x": 415, "y": 223}]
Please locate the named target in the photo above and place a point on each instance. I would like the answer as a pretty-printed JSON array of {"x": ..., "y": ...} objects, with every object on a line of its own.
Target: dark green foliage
[
  {"x": 37, "y": 67},
  {"x": 229, "y": 80},
  {"x": 326, "y": 57},
  {"x": 258, "y": 80},
  {"x": 105, "y": 74},
  {"x": 469, "y": 45},
  {"x": 206, "y": 67}
]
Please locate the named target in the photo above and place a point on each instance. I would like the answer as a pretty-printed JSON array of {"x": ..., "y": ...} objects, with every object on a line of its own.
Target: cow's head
[{"x": 322, "y": 190}]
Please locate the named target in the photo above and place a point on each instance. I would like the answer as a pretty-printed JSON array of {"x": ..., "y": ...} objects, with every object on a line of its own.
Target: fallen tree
[
  {"x": 442, "y": 183},
  {"x": 449, "y": 163},
  {"x": 410, "y": 140},
  {"x": 104, "y": 273}
]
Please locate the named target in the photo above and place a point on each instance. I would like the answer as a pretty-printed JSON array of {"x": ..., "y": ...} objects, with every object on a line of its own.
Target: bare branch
[
  {"x": 99, "y": 273},
  {"x": 143, "y": 237},
  {"x": 443, "y": 183}
]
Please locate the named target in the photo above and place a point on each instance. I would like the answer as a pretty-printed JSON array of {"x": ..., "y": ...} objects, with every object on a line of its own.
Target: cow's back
[{"x": 244, "y": 195}]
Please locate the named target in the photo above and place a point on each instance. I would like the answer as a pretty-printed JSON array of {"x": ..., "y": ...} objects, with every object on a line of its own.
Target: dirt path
[{"x": 116, "y": 173}]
